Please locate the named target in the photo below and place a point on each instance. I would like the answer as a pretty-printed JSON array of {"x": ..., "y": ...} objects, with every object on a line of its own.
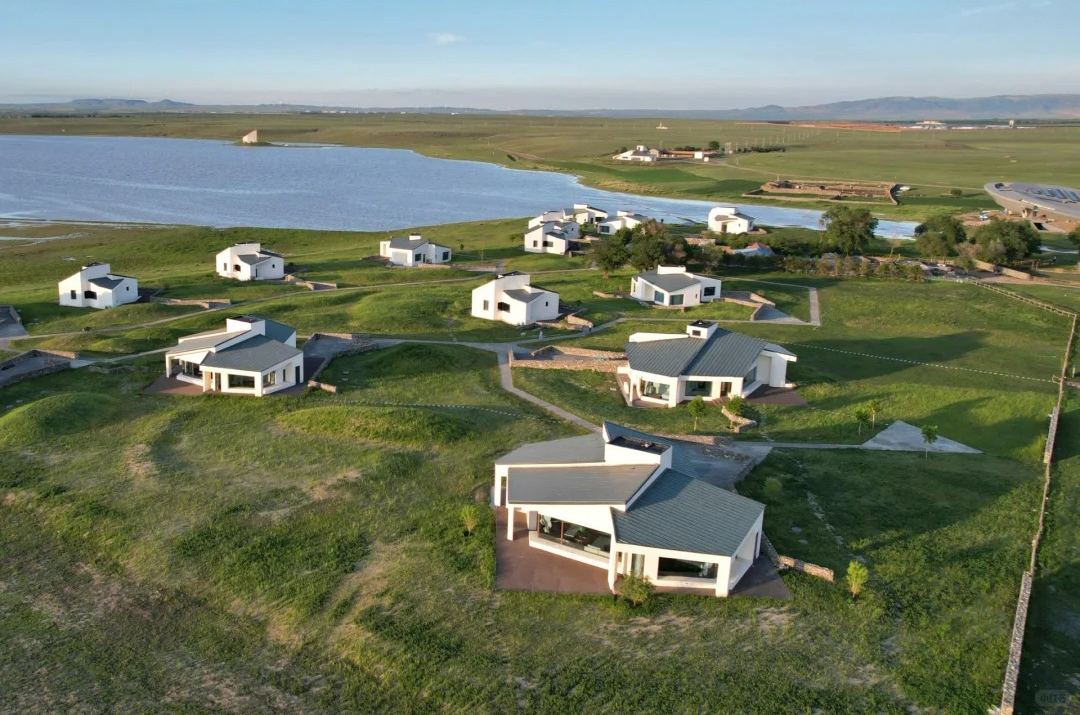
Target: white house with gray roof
[
  {"x": 251, "y": 355},
  {"x": 413, "y": 250},
  {"x": 512, "y": 298},
  {"x": 707, "y": 362},
  {"x": 250, "y": 262},
  {"x": 673, "y": 286},
  {"x": 621, "y": 220},
  {"x": 630, "y": 503},
  {"x": 96, "y": 286}
]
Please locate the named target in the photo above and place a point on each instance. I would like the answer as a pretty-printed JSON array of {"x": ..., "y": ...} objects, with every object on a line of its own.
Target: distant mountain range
[{"x": 1032, "y": 106}]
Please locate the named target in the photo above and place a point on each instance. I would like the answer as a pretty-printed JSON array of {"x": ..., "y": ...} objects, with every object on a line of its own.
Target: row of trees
[{"x": 996, "y": 241}]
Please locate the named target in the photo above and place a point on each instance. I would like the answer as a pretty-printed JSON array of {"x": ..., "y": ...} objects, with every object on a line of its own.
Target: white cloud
[
  {"x": 445, "y": 38},
  {"x": 1007, "y": 6}
]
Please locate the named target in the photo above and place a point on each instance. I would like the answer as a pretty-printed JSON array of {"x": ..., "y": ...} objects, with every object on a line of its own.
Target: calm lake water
[{"x": 211, "y": 183}]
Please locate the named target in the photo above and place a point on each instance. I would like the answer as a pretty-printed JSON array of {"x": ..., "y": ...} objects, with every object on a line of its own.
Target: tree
[
  {"x": 636, "y": 589},
  {"x": 933, "y": 246},
  {"x": 714, "y": 145},
  {"x": 697, "y": 408},
  {"x": 957, "y": 193},
  {"x": 848, "y": 229},
  {"x": 1008, "y": 240},
  {"x": 929, "y": 436},
  {"x": 1074, "y": 237},
  {"x": 646, "y": 249},
  {"x": 874, "y": 406},
  {"x": 948, "y": 227},
  {"x": 862, "y": 417},
  {"x": 610, "y": 254},
  {"x": 470, "y": 517},
  {"x": 856, "y": 577}
]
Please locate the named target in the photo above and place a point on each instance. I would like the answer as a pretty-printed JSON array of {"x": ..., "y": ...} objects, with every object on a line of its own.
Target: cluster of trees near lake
[{"x": 996, "y": 241}]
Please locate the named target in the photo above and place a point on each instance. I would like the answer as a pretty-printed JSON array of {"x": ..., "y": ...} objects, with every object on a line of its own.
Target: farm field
[{"x": 584, "y": 146}]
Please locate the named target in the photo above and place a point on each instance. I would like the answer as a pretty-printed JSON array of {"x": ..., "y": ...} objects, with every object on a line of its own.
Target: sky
[{"x": 535, "y": 54}]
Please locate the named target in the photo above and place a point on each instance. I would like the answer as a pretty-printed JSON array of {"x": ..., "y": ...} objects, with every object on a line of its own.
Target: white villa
[
  {"x": 727, "y": 219},
  {"x": 95, "y": 286},
  {"x": 708, "y": 362},
  {"x": 640, "y": 153},
  {"x": 413, "y": 251},
  {"x": 552, "y": 237},
  {"x": 630, "y": 503},
  {"x": 250, "y": 262},
  {"x": 511, "y": 299},
  {"x": 251, "y": 355},
  {"x": 622, "y": 219},
  {"x": 673, "y": 286},
  {"x": 583, "y": 213}
]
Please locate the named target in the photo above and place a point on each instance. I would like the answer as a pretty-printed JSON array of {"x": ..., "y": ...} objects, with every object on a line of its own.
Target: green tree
[
  {"x": 1074, "y": 237},
  {"x": 857, "y": 574},
  {"x": 647, "y": 248},
  {"x": 874, "y": 406},
  {"x": 956, "y": 193},
  {"x": 848, "y": 229},
  {"x": 862, "y": 417},
  {"x": 713, "y": 145},
  {"x": 933, "y": 246},
  {"x": 1007, "y": 240},
  {"x": 929, "y": 436},
  {"x": 470, "y": 517},
  {"x": 950, "y": 228},
  {"x": 773, "y": 489},
  {"x": 636, "y": 589},
  {"x": 697, "y": 408},
  {"x": 610, "y": 255}
]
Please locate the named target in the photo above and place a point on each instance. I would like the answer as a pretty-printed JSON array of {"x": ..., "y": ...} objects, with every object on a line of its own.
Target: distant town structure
[
  {"x": 672, "y": 286},
  {"x": 511, "y": 298},
  {"x": 251, "y": 137},
  {"x": 728, "y": 219},
  {"x": 250, "y": 262},
  {"x": 661, "y": 125},
  {"x": 413, "y": 250},
  {"x": 1037, "y": 202},
  {"x": 251, "y": 355},
  {"x": 708, "y": 362},
  {"x": 96, "y": 286}
]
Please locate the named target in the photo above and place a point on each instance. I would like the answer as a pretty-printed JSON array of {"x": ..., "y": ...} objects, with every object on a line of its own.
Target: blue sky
[{"x": 508, "y": 54}]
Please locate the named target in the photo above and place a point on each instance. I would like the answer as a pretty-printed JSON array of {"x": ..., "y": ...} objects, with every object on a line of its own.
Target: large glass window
[
  {"x": 695, "y": 388},
  {"x": 574, "y": 535},
  {"x": 660, "y": 390},
  {"x": 191, "y": 369},
  {"x": 660, "y": 298},
  {"x": 708, "y": 291},
  {"x": 505, "y": 307},
  {"x": 242, "y": 381},
  {"x": 686, "y": 569},
  {"x": 750, "y": 377},
  {"x": 89, "y": 294},
  {"x": 270, "y": 378}
]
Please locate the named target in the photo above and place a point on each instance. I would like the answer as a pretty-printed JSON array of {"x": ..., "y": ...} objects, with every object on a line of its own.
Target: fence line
[{"x": 1023, "y": 601}]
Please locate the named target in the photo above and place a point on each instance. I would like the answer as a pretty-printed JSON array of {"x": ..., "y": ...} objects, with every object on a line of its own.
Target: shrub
[
  {"x": 737, "y": 406},
  {"x": 638, "y": 590},
  {"x": 856, "y": 577},
  {"x": 469, "y": 517},
  {"x": 773, "y": 489}
]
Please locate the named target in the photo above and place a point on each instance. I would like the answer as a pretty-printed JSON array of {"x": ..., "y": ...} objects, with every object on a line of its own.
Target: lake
[{"x": 213, "y": 183}]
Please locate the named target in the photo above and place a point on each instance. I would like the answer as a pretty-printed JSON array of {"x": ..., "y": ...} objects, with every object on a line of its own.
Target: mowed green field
[{"x": 931, "y": 162}]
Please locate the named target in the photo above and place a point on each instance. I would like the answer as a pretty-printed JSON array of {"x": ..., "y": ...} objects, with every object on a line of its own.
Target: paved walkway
[{"x": 897, "y": 437}]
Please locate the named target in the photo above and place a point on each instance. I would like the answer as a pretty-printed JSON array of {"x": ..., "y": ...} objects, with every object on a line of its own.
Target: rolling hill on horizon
[{"x": 898, "y": 108}]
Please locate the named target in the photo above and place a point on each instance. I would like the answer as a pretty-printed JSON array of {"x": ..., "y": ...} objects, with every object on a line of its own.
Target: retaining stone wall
[
  {"x": 807, "y": 568},
  {"x": 594, "y": 365},
  {"x": 55, "y": 361},
  {"x": 14, "y": 314},
  {"x": 208, "y": 303}
]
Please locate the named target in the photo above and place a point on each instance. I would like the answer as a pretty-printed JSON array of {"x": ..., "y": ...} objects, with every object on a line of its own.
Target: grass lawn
[
  {"x": 1067, "y": 298},
  {"x": 306, "y": 555},
  {"x": 862, "y": 352}
]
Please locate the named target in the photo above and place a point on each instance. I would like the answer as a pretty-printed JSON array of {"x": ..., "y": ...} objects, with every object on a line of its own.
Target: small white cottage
[
  {"x": 251, "y": 355},
  {"x": 413, "y": 250},
  {"x": 250, "y": 262},
  {"x": 95, "y": 286},
  {"x": 728, "y": 219},
  {"x": 674, "y": 286},
  {"x": 511, "y": 299}
]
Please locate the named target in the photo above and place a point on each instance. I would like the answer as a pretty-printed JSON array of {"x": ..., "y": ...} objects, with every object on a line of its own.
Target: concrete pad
[{"x": 903, "y": 437}]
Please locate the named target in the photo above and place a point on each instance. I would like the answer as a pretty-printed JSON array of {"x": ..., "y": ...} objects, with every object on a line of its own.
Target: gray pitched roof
[
  {"x": 254, "y": 258},
  {"x": 524, "y": 296},
  {"x": 203, "y": 341},
  {"x": 682, "y": 513},
  {"x": 107, "y": 283},
  {"x": 404, "y": 242},
  {"x": 571, "y": 450},
  {"x": 725, "y": 354},
  {"x": 273, "y": 329},
  {"x": 254, "y": 354},
  {"x": 681, "y": 459},
  {"x": 577, "y": 484},
  {"x": 670, "y": 282}
]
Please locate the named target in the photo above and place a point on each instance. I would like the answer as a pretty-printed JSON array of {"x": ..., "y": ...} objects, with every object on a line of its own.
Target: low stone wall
[
  {"x": 207, "y": 303},
  {"x": 739, "y": 424},
  {"x": 807, "y": 568},
  {"x": 756, "y": 315},
  {"x": 617, "y": 294},
  {"x": 594, "y": 365},
  {"x": 325, "y": 387},
  {"x": 51, "y": 361},
  {"x": 11, "y": 313},
  {"x": 574, "y": 319},
  {"x": 1016, "y": 647},
  {"x": 310, "y": 285},
  {"x": 1016, "y": 274},
  {"x": 579, "y": 352}
]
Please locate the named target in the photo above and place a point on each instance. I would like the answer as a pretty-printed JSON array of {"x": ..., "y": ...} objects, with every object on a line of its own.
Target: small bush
[
  {"x": 856, "y": 577},
  {"x": 773, "y": 489},
  {"x": 638, "y": 590}
]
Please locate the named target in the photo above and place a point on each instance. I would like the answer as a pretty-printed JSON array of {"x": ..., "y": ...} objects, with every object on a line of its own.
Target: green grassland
[
  {"x": 931, "y": 162},
  {"x": 306, "y": 554},
  {"x": 992, "y": 390}
]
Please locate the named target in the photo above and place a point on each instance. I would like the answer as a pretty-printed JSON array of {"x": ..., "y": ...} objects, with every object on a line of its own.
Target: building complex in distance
[{"x": 1037, "y": 201}]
